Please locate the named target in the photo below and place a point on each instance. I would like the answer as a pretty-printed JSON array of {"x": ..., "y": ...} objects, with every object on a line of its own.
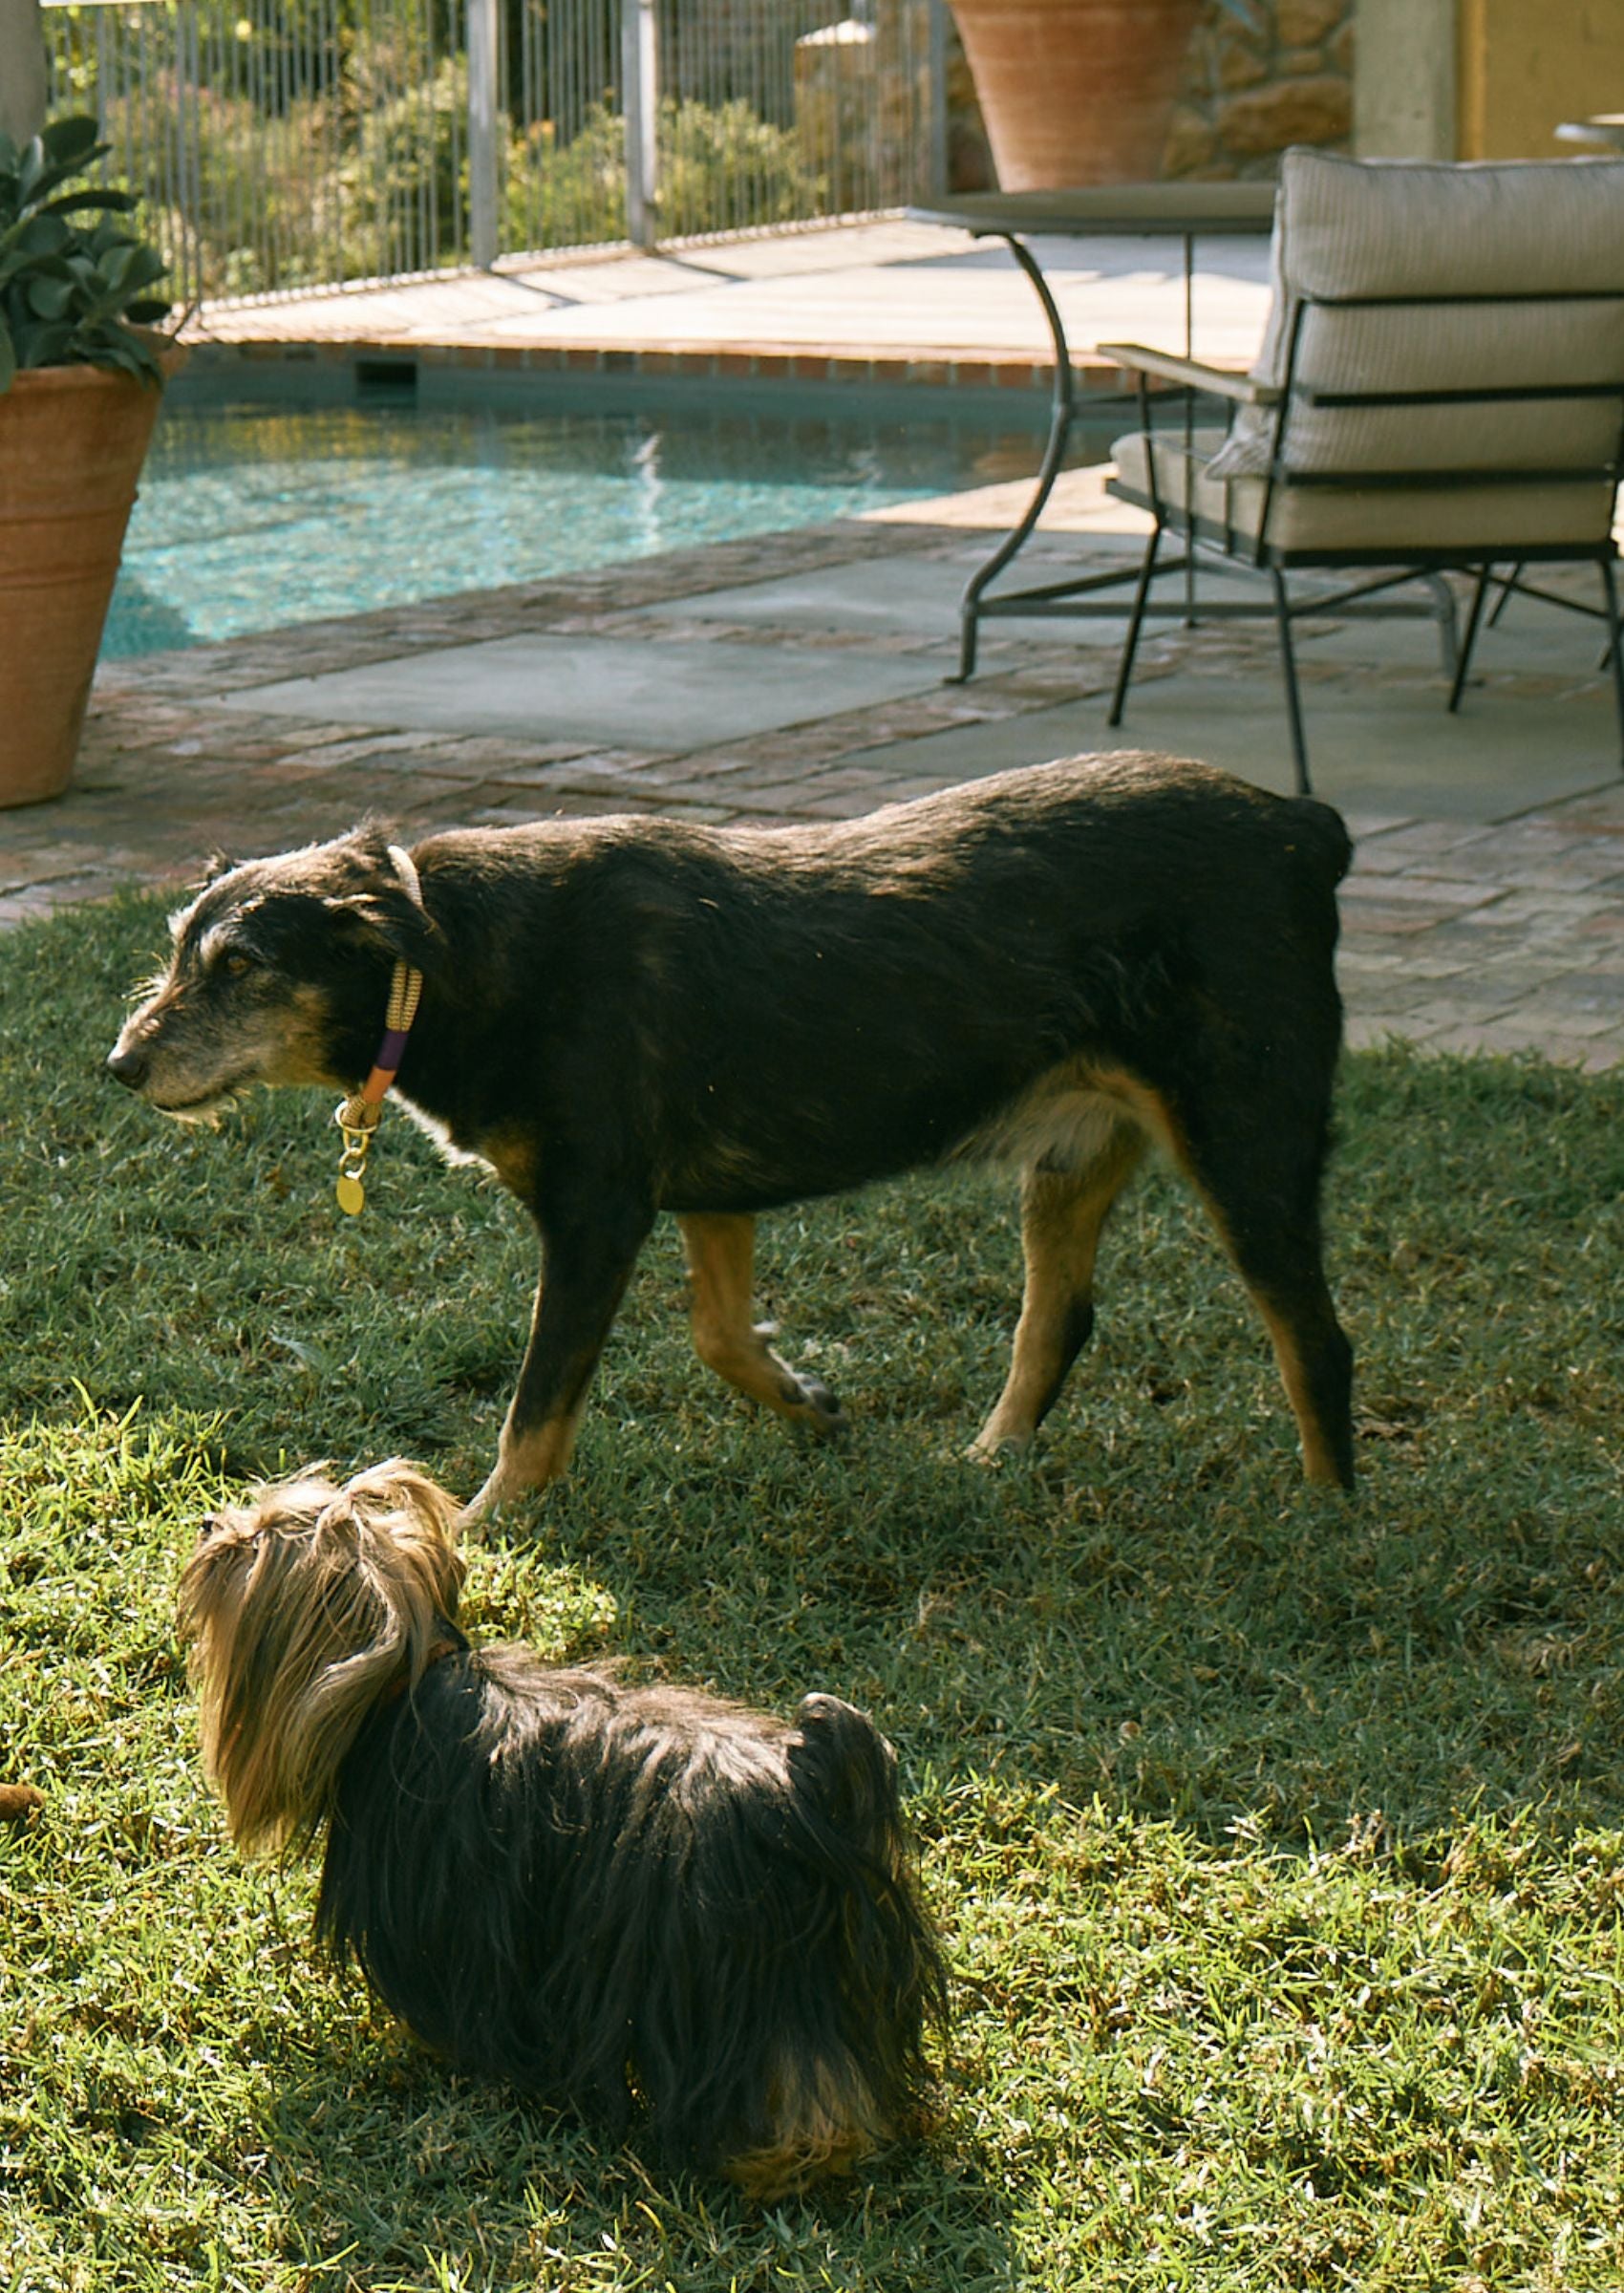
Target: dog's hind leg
[
  {"x": 721, "y": 1258},
  {"x": 1281, "y": 1267},
  {"x": 1260, "y": 1181},
  {"x": 1316, "y": 1367},
  {"x": 1062, "y": 1215}
]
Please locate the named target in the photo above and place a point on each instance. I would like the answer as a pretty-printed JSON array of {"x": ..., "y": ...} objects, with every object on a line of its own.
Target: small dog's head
[
  {"x": 303, "y": 1608},
  {"x": 279, "y": 973}
]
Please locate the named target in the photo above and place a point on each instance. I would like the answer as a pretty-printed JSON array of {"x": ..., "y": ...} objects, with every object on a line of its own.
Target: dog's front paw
[
  {"x": 480, "y": 1512},
  {"x": 991, "y": 1447},
  {"x": 526, "y": 1463},
  {"x": 499, "y": 1494}
]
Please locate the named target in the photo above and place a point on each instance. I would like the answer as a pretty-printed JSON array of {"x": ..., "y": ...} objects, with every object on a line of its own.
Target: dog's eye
[{"x": 236, "y": 964}]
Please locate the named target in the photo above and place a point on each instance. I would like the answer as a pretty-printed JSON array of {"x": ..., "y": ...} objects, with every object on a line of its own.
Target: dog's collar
[{"x": 357, "y": 1116}]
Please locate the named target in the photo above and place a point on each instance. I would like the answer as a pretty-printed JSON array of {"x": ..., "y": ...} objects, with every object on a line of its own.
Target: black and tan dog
[
  {"x": 594, "y": 1892},
  {"x": 628, "y": 1015}
]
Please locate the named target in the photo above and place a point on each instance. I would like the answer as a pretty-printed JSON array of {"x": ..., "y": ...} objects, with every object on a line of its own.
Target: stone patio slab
[
  {"x": 887, "y": 597},
  {"x": 890, "y": 286},
  {"x": 617, "y": 691},
  {"x": 1368, "y": 750}
]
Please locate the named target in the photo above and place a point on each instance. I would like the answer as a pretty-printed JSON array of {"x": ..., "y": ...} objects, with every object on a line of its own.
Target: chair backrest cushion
[{"x": 1420, "y": 230}]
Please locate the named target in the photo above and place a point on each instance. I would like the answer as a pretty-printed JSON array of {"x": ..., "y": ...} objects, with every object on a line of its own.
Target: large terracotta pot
[
  {"x": 72, "y": 443},
  {"x": 1076, "y": 91}
]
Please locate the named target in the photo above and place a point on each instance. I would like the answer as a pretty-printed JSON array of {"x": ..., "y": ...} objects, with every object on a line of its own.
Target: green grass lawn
[{"x": 1278, "y": 1840}]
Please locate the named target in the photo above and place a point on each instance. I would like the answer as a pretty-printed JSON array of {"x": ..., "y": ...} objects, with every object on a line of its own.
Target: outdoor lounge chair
[{"x": 1441, "y": 387}]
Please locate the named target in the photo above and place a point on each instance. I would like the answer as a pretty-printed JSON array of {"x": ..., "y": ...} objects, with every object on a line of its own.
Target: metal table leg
[
  {"x": 1062, "y": 408},
  {"x": 1062, "y": 413}
]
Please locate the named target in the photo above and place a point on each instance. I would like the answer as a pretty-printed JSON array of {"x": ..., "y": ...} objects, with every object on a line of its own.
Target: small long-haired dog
[
  {"x": 623, "y": 1017},
  {"x": 613, "y": 1896}
]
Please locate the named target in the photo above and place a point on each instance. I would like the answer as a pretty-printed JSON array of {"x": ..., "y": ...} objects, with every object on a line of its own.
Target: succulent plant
[{"x": 74, "y": 279}]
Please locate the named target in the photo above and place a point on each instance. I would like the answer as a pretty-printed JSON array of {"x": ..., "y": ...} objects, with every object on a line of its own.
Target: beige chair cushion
[
  {"x": 1421, "y": 228},
  {"x": 1499, "y": 519}
]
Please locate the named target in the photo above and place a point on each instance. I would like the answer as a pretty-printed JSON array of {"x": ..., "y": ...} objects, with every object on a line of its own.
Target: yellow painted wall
[{"x": 1523, "y": 65}]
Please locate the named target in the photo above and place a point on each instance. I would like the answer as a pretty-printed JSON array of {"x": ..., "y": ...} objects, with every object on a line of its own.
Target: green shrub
[{"x": 722, "y": 167}]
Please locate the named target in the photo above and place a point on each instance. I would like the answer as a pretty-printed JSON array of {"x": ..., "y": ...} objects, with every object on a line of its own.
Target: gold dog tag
[{"x": 356, "y": 1119}]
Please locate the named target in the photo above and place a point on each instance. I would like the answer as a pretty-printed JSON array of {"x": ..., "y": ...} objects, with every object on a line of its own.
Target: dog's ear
[
  {"x": 382, "y": 900},
  {"x": 218, "y": 864}
]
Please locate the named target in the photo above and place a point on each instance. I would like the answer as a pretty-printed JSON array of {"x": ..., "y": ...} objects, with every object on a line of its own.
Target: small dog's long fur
[
  {"x": 613, "y": 1896},
  {"x": 628, "y": 1016}
]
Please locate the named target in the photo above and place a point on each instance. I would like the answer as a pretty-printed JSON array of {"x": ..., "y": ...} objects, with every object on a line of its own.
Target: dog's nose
[{"x": 127, "y": 1063}]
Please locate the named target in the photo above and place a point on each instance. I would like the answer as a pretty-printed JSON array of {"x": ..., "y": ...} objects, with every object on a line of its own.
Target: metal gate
[{"x": 277, "y": 146}]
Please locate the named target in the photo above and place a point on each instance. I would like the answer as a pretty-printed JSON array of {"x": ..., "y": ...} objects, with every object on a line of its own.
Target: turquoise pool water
[{"x": 254, "y": 518}]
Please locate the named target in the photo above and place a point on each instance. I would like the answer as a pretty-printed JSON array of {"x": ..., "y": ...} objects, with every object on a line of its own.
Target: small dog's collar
[{"x": 357, "y": 1116}]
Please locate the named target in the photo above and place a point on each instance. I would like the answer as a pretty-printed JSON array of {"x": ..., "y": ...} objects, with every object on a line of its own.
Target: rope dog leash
[{"x": 357, "y": 1117}]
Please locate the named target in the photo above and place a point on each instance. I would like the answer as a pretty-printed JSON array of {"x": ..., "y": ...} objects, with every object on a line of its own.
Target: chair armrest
[{"x": 1222, "y": 382}]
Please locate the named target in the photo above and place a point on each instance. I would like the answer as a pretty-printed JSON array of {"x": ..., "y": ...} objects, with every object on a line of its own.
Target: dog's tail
[
  {"x": 847, "y": 1770},
  {"x": 849, "y": 1807}
]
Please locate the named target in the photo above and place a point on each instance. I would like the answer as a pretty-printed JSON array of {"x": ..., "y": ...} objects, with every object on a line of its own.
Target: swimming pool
[{"x": 254, "y": 518}]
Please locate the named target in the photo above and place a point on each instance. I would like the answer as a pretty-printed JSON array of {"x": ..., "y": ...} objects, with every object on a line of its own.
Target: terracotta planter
[
  {"x": 1076, "y": 91},
  {"x": 72, "y": 443}
]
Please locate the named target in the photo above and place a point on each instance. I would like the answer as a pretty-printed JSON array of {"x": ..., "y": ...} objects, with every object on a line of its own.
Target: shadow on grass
[{"x": 426, "y": 2179}]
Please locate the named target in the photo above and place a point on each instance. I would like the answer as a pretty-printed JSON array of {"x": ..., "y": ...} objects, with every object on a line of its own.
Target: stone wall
[
  {"x": 1284, "y": 75},
  {"x": 1250, "y": 89}
]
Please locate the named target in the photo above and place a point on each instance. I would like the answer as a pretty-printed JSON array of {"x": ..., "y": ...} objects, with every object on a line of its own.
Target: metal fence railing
[{"x": 281, "y": 145}]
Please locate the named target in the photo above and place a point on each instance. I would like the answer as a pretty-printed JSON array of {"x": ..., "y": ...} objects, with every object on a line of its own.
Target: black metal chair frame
[{"x": 1259, "y": 554}]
